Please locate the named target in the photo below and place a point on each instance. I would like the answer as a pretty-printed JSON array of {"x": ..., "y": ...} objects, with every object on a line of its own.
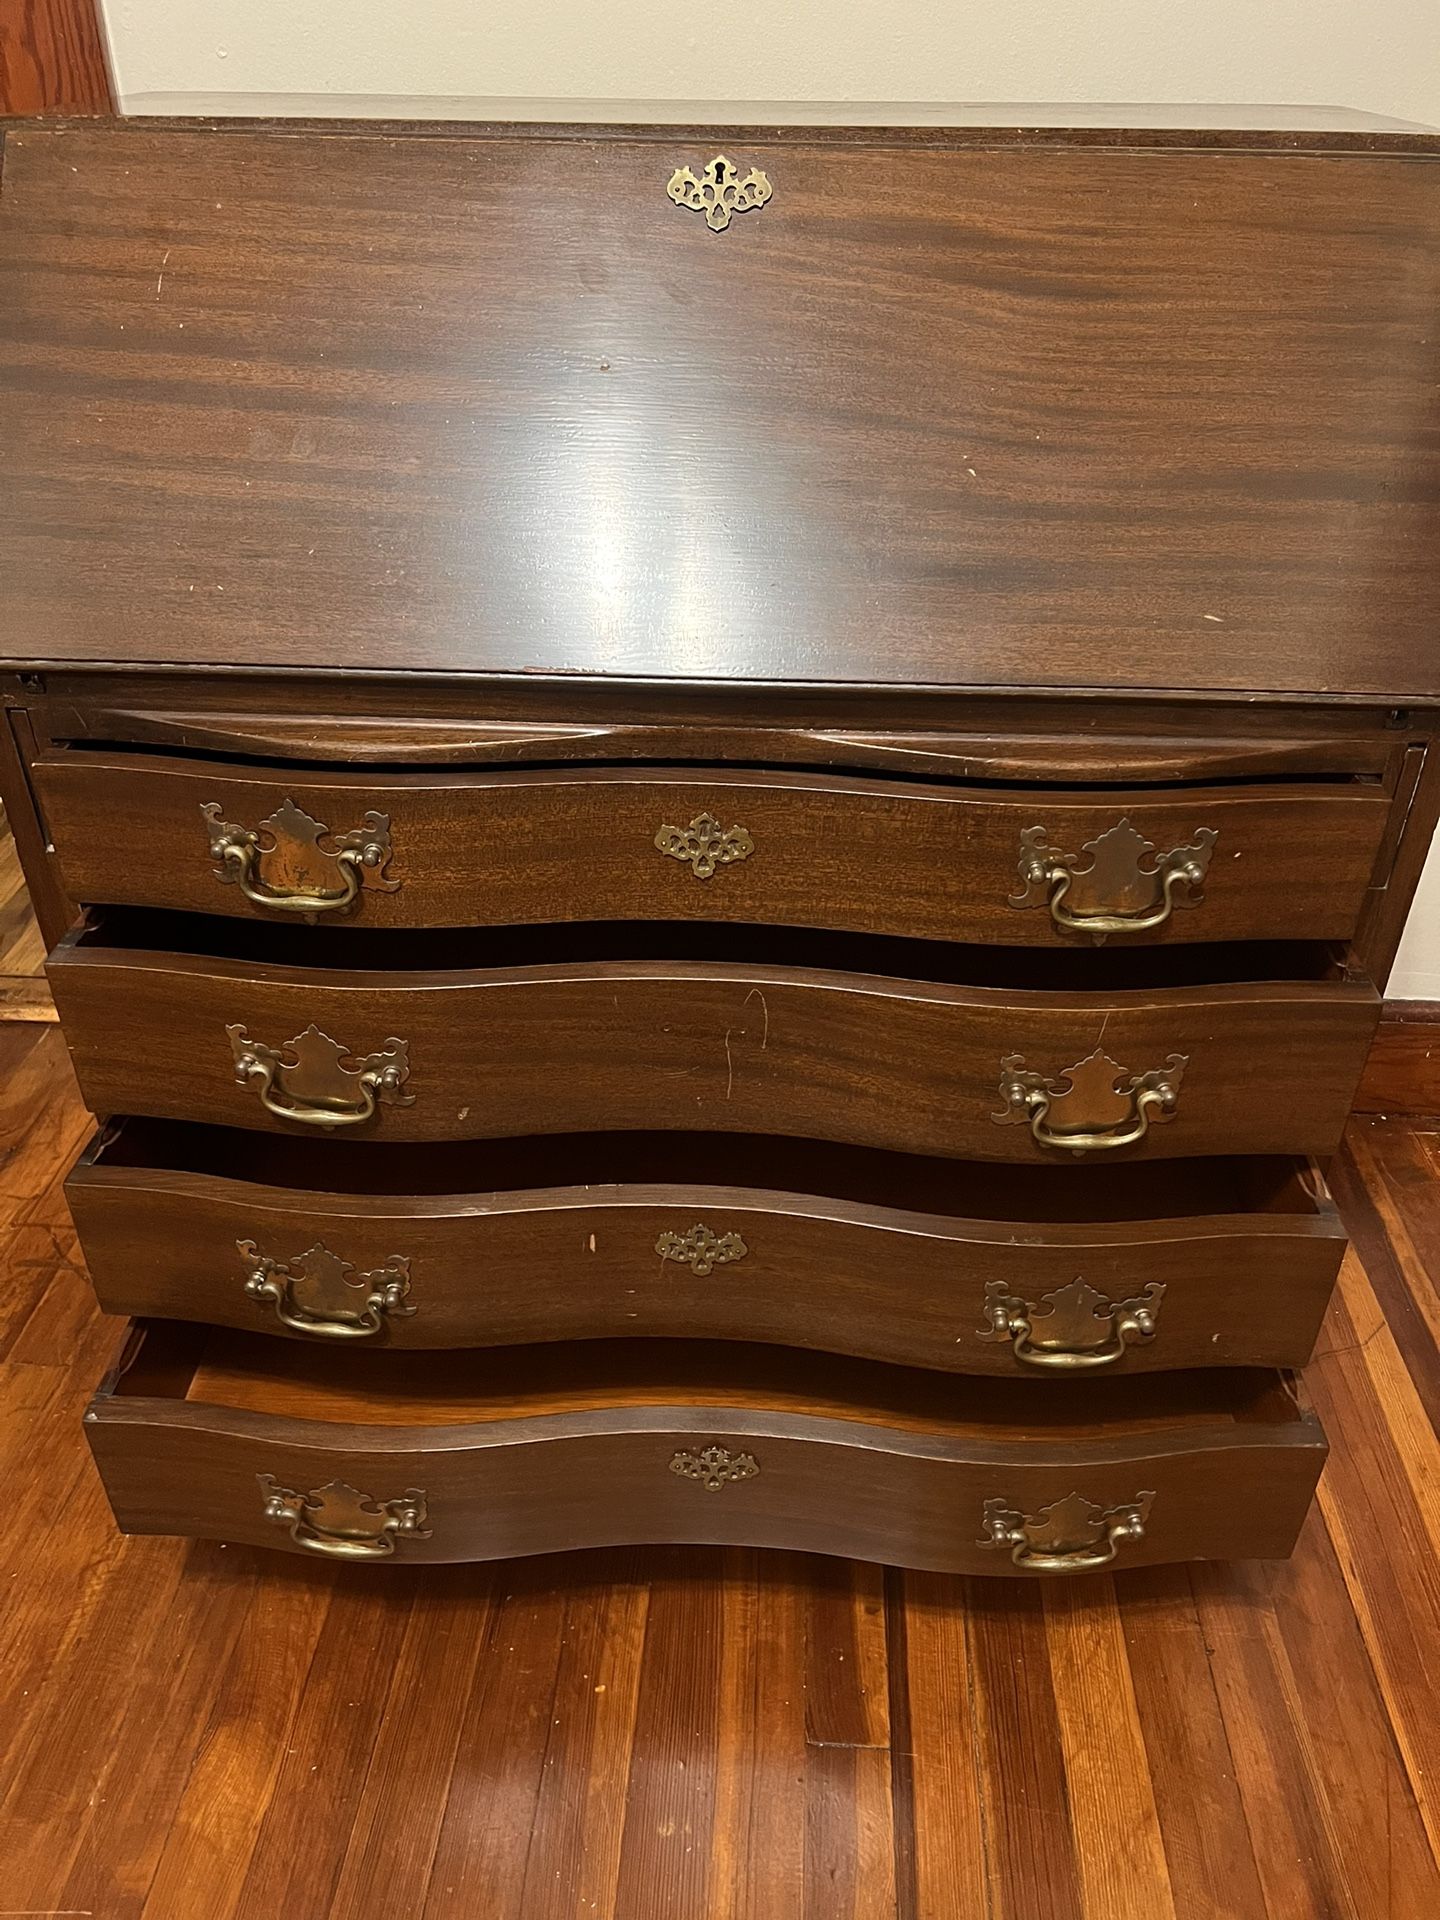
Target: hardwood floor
[
  {"x": 201, "y": 1730},
  {"x": 23, "y": 992}
]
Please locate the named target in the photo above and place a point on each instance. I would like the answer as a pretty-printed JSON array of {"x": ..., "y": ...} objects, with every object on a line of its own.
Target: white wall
[
  {"x": 539, "y": 58},
  {"x": 1383, "y": 55}
]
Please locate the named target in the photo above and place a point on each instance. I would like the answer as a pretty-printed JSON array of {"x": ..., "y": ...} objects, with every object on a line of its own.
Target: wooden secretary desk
[{"x": 721, "y": 813}]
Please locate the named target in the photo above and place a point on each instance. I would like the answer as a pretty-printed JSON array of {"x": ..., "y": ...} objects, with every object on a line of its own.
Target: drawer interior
[
  {"x": 1283, "y": 1188},
  {"x": 1080, "y": 969},
  {"x": 218, "y": 1367}
]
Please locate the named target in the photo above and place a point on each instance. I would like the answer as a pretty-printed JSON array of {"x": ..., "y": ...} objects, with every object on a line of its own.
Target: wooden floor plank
[
  {"x": 22, "y": 951},
  {"x": 850, "y": 1847},
  {"x": 310, "y": 1815},
  {"x": 573, "y": 1862},
  {"x": 759, "y": 1832},
  {"x": 1386, "y": 1181},
  {"x": 1198, "y": 1802},
  {"x": 412, "y": 1759},
  {"x": 1025, "y": 1801},
  {"x": 949, "y": 1835},
  {"x": 141, "y": 1780},
  {"x": 26, "y": 1000},
  {"x": 1298, "y": 1867},
  {"x": 494, "y": 1790},
  {"x": 667, "y": 1848},
  {"x": 1379, "y": 1499},
  {"x": 1376, "y": 1832},
  {"x": 1117, "y": 1844},
  {"x": 216, "y": 1826}
]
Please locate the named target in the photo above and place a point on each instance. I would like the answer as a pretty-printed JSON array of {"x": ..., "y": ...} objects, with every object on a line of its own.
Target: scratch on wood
[{"x": 756, "y": 994}]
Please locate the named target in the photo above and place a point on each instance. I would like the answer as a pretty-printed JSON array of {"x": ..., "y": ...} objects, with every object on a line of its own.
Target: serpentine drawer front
[
  {"x": 726, "y": 877},
  {"x": 908, "y": 1065},
  {"x": 781, "y": 848},
  {"x": 475, "y": 1457},
  {"x": 970, "y": 1269}
]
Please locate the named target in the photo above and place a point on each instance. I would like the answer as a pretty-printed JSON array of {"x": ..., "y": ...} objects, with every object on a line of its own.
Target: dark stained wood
[
  {"x": 1247, "y": 1267},
  {"x": 53, "y": 912},
  {"x": 52, "y": 58},
  {"x": 910, "y": 1065},
  {"x": 1184, "y": 735},
  {"x": 211, "y": 1653},
  {"x": 496, "y": 405},
  {"x": 526, "y": 1450},
  {"x": 428, "y": 740},
  {"x": 1402, "y": 1072},
  {"x": 924, "y": 861}
]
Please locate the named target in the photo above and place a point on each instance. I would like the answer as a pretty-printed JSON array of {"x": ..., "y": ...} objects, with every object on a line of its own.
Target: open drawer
[
  {"x": 908, "y": 1046},
  {"x": 1043, "y": 866},
  {"x": 1029, "y": 1273},
  {"x": 477, "y": 1456}
]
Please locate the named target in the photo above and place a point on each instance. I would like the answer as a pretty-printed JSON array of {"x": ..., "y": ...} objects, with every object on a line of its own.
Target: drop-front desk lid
[{"x": 944, "y": 406}]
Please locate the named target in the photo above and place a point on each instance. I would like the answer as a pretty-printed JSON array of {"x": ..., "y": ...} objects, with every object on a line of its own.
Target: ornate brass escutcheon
[
  {"x": 307, "y": 1078},
  {"x": 282, "y": 866},
  {"x": 1121, "y": 889},
  {"x": 1072, "y": 1535},
  {"x": 338, "y": 1520},
  {"x": 719, "y": 192},
  {"x": 320, "y": 1294},
  {"x": 700, "y": 1249},
  {"x": 1072, "y": 1330},
  {"x": 714, "y": 1467},
  {"x": 705, "y": 845},
  {"x": 1094, "y": 1106}
]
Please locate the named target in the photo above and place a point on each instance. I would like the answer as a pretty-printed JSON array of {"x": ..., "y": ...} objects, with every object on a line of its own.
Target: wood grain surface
[
  {"x": 1243, "y": 1271},
  {"x": 688, "y": 1734},
  {"x": 24, "y": 994},
  {"x": 821, "y": 849},
  {"x": 909, "y": 1065},
  {"x": 528, "y": 1450},
  {"x": 52, "y": 58},
  {"x": 496, "y": 405},
  {"x": 1402, "y": 1073}
]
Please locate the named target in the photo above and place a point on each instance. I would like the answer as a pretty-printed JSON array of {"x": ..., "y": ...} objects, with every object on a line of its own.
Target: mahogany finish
[
  {"x": 896, "y": 1270},
  {"x": 910, "y": 1065},
  {"x": 829, "y": 851},
  {"x": 946, "y": 411},
  {"x": 521, "y": 1452},
  {"x": 978, "y": 493}
]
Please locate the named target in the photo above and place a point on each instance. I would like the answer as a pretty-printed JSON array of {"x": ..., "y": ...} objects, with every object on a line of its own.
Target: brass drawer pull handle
[
  {"x": 1092, "y": 1107},
  {"x": 719, "y": 192},
  {"x": 700, "y": 1249},
  {"x": 319, "y": 1294},
  {"x": 340, "y": 1521},
  {"x": 281, "y": 866},
  {"x": 705, "y": 845},
  {"x": 306, "y": 1079},
  {"x": 714, "y": 1467},
  {"x": 1072, "y": 1330},
  {"x": 1072, "y": 1535},
  {"x": 1119, "y": 891}
]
